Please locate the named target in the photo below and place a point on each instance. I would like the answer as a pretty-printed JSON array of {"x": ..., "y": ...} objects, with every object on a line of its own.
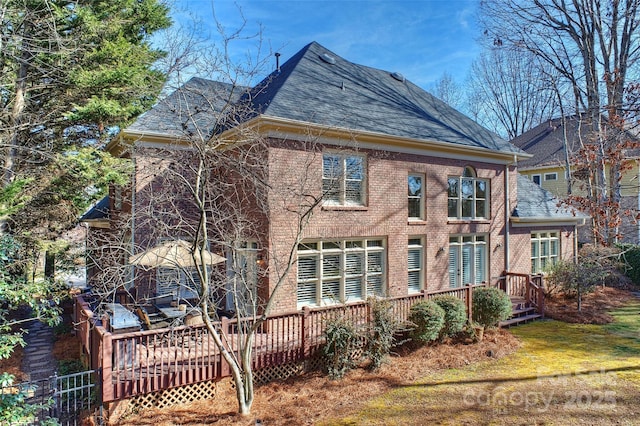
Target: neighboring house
[
  {"x": 418, "y": 197},
  {"x": 547, "y": 166}
]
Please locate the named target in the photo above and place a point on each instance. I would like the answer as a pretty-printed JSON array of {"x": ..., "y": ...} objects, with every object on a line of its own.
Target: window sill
[
  {"x": 480, "y": 221},
  {"x": 417, "y": 222},
  {"x": 331, "y": 207}
]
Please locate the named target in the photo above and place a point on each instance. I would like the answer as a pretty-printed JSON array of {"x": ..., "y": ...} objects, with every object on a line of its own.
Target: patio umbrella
[{"x": 174, "y": 254}]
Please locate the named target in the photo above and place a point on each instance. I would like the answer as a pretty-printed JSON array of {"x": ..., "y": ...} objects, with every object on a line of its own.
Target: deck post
[
  {"x": 306, "y": 332},
  {"x": 502, "y": 283},
  {"x": 225, "y": 369},
  {"x": 469, "y": 299},
  {"x": 106, "y": 364}
]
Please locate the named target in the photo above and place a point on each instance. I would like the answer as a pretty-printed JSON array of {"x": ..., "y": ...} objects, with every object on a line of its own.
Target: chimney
[{"x": 278, "y": 62}]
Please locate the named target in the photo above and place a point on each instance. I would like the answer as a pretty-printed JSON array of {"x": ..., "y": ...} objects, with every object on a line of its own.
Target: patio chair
[{"x": 151, "y": 321}]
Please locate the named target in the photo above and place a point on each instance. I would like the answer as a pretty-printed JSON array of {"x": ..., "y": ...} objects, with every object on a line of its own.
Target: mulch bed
[
  {"x": 313, "y": 397},
  {"x": 595, "y": 306}
]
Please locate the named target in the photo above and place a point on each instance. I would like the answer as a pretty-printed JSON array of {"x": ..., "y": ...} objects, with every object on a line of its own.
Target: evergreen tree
[{"x": 70, "y": 74}]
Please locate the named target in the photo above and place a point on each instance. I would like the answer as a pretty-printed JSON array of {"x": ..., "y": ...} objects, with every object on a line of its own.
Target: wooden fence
[{"x": 142, "y": 362}]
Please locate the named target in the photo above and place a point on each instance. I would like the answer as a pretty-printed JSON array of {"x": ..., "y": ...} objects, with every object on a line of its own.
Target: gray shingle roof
[
  {"x": 198, "y": 104},
  {"x": 346, "y": 95},
  {"x": 546, "y": 141},
  {"x": 307, "y": 89},
  {"x": 534, "y": 202}
]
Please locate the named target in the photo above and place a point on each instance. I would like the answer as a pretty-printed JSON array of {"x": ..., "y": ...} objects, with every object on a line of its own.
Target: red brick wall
[
  {"x": 295, "y": 178},
  {"x": 520, "y": 245},
  {"x": 385, "y": 215}
]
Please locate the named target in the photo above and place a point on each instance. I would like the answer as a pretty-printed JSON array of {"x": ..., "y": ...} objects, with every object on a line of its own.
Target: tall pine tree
[{"x": 70, "y": 72}]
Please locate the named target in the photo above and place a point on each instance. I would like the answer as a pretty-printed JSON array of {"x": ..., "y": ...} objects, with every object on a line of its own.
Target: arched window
[
  {"x": 469, "y": 172},
  {"x": 468, "y": 196}
]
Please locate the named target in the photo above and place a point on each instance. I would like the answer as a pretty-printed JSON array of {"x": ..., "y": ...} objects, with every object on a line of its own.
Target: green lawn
[{"x": 563, "y": 374}]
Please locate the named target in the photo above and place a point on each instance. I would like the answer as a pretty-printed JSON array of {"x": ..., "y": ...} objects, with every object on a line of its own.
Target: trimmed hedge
[
  {"x": 455, "y": 315},
  {"x": 427, "y": 318},
  {"x": 490, "y": 306}
]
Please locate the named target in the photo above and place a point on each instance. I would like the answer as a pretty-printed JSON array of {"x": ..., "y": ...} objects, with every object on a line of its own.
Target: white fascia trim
[
  {"x": 416, "y": 146},
  {"x": 517, "y": 222}
]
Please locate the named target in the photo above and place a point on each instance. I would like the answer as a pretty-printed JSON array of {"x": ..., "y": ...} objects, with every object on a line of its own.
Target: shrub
[
  {"x": 455, "y": 315},
  {"x": 577, "y": 279},
  {"x": 631, "y": 256},
  {"x": 382, "y": 332},
  {"x": 342, "y": 341},
  {"x": 427, "y": 319},
  {"x": 490, "y": 306}
]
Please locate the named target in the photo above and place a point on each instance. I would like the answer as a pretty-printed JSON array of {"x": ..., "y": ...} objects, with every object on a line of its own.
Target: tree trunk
[{"x": 18, "y": 106}]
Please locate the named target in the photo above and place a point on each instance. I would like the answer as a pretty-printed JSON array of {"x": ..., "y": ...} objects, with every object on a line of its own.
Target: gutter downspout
[
  {"x": 575, "y": 243},
  {"x": 507, "y": 215},
  {"x": 132, "y": 274}
]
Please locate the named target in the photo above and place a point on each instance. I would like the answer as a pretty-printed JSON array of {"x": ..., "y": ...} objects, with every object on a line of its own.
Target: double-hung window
[
  {"x": 545, "y": 249},
  {"x": 339, "y": 271},
  {"x": 468, "y": 196},
  {"x": 415, "y": 189},
  {"x": 343, "y": 179},
  {"x": 414, "y": 265}
]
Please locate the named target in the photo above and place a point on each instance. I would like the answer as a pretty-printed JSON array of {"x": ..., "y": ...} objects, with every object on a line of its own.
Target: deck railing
[
  {"x": 528, "y": 287},
  {"x": 141, "y": 362}
]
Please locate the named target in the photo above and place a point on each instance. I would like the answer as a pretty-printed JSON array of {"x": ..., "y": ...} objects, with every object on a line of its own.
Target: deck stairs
[{"x": 522, "y": 313}]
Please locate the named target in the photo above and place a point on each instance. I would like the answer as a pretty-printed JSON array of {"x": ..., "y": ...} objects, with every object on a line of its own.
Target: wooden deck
[{"x": 141, "y": 362}]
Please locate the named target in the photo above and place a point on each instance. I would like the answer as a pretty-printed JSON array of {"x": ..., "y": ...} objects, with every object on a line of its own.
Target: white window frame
[
  {"x": 420, "y": 197},
  {"x": 551, "y": 176},
  {"x": 545, "y": 250},
  {"x": 475, "y": 246},
  {"x": 415, "y": 264},
  {"x": 457, "y": 200},
  {"x": 242, "y": 274},
  {"x": 335, "y": 181},
  {"x": 326, "y": 283},
  {"x": 538, "y": 176}
]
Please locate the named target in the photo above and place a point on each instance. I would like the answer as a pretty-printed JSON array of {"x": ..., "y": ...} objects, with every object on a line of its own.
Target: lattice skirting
[
  {"x": 205, "y": 390},
  {"x": 278, "y": 372},
  {"x": 162, "y": 399}
]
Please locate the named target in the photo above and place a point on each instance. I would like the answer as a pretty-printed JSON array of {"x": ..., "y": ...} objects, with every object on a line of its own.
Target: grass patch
[{"x": 563, "y": 374}]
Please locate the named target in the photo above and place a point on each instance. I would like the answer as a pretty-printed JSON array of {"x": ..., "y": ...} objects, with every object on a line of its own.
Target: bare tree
[
  {"x": 217, "y": 192},
  {"x": 593, "y": 48},
  {"x": 511, "y": 91},
  {"x": 449, "y": 91},
  {"x": 211, "y": 183}
]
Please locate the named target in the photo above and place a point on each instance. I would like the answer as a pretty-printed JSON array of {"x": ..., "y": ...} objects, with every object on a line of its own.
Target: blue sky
[{"x": 420, "y": 39}]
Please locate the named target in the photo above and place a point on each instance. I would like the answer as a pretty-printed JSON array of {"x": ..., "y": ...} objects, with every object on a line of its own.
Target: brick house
[
  {"x": 416, "y": 197},
  {"x": 547, "y": 166}
]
